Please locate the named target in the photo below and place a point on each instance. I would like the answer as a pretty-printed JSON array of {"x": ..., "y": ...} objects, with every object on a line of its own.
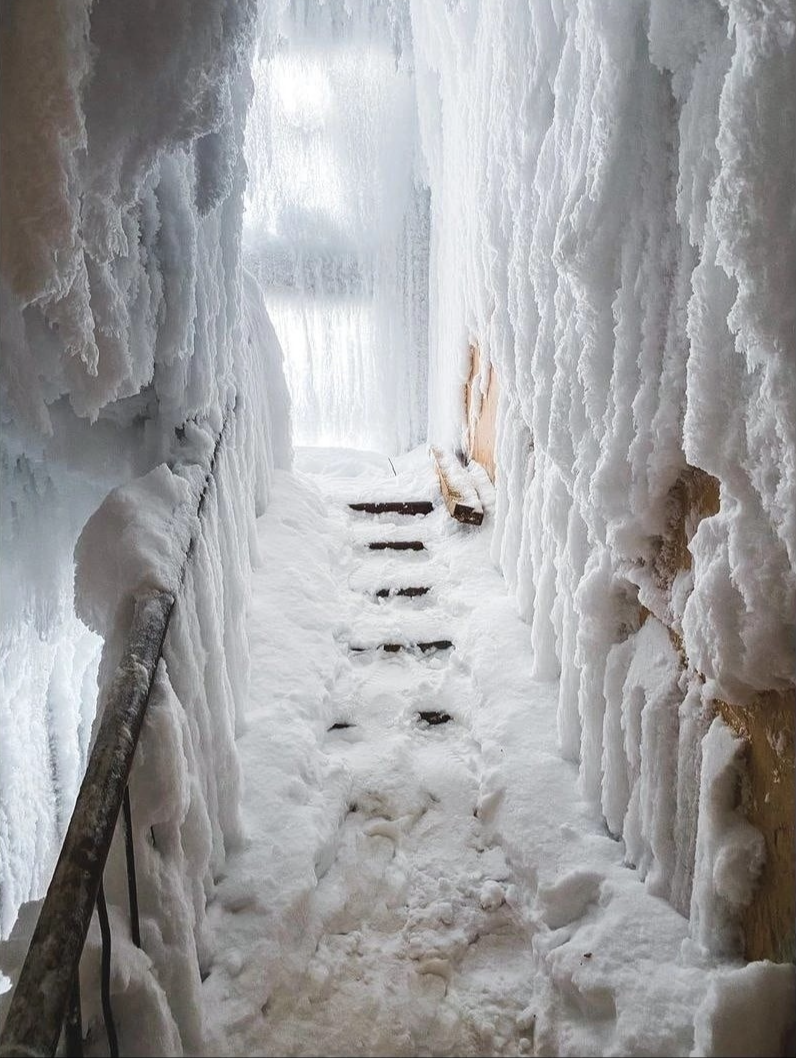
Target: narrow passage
[
  {"x": 409, "y": 945},
  {"x": 420, "y": 952},
  {"x": 421, "y": 878}
]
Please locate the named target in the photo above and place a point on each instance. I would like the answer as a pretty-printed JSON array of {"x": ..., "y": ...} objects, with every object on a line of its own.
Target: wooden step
[
  {"x": 394, "y": 648},
  {"x": 394, "y": 507},
  {"x": 410, "y": 593},
  {"x": 435, "y": 717},
  {"x": 434, "y": 644},
  {"x": 397, "y": 545}
]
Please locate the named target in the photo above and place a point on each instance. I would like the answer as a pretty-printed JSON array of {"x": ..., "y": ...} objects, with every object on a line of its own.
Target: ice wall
[
  {"x": 337, "y": 219},
  {"x": 612, "y": 226},
  {"x": 123, "y": 335}
]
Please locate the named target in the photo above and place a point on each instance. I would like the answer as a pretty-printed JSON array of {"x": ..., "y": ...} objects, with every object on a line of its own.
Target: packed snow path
[
  {"x": 415, "y": 949},
  {"x": 423, "y": 956},
  {"x": 413, "y": 888}
]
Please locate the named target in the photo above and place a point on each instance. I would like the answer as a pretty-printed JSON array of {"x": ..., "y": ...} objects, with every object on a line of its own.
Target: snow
[
  {"x": 730, "y": 852},
  {"x": 610, "y": 194},
  {"x": 602, "y": 193},
  {"x": 134, "y": 542},
  {"x": 400, "y": 888},
  {"x": 186, "y": 779},
  {"x": 746, "y": 1012},
  {"x": 124, "y": 346}
]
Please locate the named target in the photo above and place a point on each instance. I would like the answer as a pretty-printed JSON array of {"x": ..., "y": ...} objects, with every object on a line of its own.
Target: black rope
[
  {"x": 190, "y": 551},
  {"x": 73, "y": 1029},
  {"x": 105, "y": 973},
  {"x": 130, "y": 862}
]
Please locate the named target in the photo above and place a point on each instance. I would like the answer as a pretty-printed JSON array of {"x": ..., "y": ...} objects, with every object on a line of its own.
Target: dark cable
[
  {"x": 105, "y": 973},
  {"x": 130, "y": 862},
  {"x": 73, "y": 1029}
]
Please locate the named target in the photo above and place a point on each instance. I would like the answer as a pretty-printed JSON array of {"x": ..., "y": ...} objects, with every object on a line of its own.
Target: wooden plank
[
  {"x": 481, "y": 412},
  {"x": 410, "y": 507},
  {"x": 397, "y": 545},
  {"x": 411, "y": 593},
  {"x": 436, "y": 644},
  {"x": 434, "y": 717},
  {"x": 768, "y": 723},
  {"x": 460, "y": 496},
  {"x": 394, "y": 648}
]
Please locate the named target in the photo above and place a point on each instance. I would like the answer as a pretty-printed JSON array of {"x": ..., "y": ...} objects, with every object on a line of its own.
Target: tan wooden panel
[
  {"x": 481, "y": 421},
  {"x": 768, "y": 725}
]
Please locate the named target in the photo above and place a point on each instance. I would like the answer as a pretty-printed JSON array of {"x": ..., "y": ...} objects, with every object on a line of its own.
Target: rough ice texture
[
  {"x": 337, "y": 218},
  {"x": 611, "y": 226},
  {"x": 125, "y": 349}
]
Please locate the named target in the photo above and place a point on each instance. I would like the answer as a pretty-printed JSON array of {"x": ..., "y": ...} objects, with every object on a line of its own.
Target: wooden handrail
[
  {"x": 42, "y": 993},
  {"x": 36, "y": 1014}
]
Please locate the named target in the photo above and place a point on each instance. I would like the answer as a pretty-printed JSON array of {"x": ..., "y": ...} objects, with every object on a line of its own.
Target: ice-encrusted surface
[
  {"x": 337, "y": 218},
  {"x": 612, "y": 226},
  {"x": 124, "y": 348}
]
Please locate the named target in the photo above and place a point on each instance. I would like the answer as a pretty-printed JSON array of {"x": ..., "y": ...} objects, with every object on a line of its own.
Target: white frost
[{"x": 730, "y": 851}]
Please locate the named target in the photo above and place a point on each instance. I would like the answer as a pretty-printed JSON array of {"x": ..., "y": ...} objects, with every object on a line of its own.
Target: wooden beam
[
  {"x": 460, "y": 496},
  {"x": 481, "y": 412},
  {"x": 411, "y": 593}
]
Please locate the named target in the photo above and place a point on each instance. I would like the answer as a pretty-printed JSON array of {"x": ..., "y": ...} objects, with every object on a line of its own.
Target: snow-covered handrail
[
  {"x": 45, "y": 987},
  {"x": 37, "y": 1010}
]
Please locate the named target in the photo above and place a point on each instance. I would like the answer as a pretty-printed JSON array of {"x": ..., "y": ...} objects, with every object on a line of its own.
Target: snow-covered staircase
[{"x": 413, "y": 629}]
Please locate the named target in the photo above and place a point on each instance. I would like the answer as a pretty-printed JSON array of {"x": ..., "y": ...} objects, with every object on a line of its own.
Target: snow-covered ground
[{"x": 410, "y": 889}]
